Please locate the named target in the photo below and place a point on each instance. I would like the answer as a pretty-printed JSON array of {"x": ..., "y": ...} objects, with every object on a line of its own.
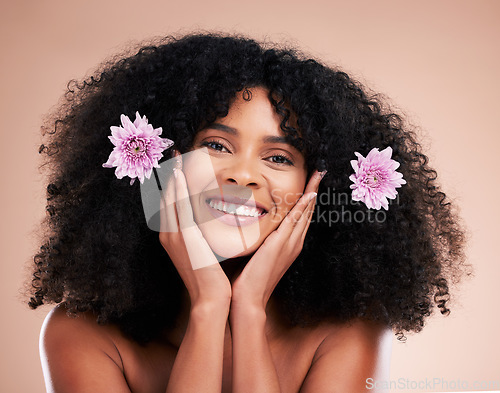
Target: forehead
[
  {"x": 253, "y": 105},
  {"x": 252, "y": 111}
]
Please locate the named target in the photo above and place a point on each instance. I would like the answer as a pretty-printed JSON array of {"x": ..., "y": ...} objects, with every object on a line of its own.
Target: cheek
[
  {"x": 199, "y": 172},
  {"x": 287, "y": 192}
]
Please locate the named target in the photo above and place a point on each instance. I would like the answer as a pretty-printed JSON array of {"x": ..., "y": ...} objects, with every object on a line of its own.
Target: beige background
[{"x": 437, "y": 60}]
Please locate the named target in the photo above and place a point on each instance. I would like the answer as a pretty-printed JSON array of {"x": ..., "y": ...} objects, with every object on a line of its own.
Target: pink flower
[
  {"x": 138, "y": 148},
  {"x": 375, "y": 178}
]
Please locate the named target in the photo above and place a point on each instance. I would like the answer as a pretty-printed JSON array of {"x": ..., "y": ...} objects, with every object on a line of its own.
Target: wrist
[
  {"x": 209, "y": 310},
  {"x": 211, "y": 300},
  {"x": 247, "y": 302},
  {"x": 248, "y": 313}
]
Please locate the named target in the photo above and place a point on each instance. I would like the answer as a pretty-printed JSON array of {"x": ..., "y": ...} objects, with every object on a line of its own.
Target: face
[{"x": 243, "y": 177}]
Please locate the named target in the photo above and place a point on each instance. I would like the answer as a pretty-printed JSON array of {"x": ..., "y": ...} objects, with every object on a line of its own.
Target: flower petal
[
  {"x": 138, "y": 148},
  {"x": 375, "y": 178}
]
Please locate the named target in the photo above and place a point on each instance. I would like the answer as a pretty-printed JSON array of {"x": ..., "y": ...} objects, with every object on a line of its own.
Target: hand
[
  {"x": 190, "y": 253},
  {"x": 262, "y": 273}
]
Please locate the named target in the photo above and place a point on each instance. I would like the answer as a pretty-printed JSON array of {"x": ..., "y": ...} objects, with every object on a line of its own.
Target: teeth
[{"x": 237, "y": 210}]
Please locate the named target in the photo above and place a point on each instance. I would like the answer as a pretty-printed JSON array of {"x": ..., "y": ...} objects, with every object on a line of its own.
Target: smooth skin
[{"x": 229, "y": 336}]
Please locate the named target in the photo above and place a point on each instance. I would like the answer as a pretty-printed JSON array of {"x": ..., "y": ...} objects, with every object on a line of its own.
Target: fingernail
[
  {"x": 322, "y": 174},
  {"x": 312, "y": 196}
]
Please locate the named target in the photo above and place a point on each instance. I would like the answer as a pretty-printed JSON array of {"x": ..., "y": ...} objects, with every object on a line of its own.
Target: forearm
[
  {"x": 198, "y": 364},
  {"x": 253, "y": 366}
]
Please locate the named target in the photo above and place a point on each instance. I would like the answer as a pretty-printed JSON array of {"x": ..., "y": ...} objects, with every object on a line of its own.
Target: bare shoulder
[
  {"x": 355, "y": 335},
  {"x": 348, "y": 355},
  {"x": 59, "y": 320},
  {"x": 60, "y": 331},
  {"x": 75, "y": 351}
]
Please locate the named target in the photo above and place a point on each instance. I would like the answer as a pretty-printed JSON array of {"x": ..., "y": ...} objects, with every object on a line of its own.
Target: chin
[{"x": 231, "y": 242}]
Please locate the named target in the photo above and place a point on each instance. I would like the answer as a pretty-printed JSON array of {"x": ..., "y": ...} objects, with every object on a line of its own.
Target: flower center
[
  {"x": 374, "y": 179},
  {"x": 136, "y": 148}
]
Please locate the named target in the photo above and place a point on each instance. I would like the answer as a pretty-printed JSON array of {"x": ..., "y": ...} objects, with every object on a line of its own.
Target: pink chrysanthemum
[
  {"x": 375, "y": 178},
  {"x": 138, "y": 148}
]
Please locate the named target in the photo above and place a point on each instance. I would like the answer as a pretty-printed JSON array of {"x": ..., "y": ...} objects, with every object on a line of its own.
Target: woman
[{"x": 276, "y": 269}]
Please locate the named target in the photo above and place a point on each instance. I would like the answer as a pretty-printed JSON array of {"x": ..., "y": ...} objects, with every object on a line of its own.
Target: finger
[
  {"x": 311, "y": 188},
  {"x": 304, "y": 233},
  {"x": 300, "y": 230},
  {"x": 313, "y": 183},
  {"x": 302, "y": 220},
  {"x": 199, "y": 252},
  {"x": 169, "y": 222},
  {"x": 183, "y": 203},
  {"x": 295, "y": 215}
]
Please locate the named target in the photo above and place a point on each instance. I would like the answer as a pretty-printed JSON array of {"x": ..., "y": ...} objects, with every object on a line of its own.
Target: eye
[
  {"x": 280, "y": 159},
  {"x": 215, "y": 145}
]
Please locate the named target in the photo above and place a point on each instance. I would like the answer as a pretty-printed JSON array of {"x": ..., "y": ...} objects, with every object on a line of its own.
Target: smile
[
  {"x": 235, "y": 212},
  {"x": 235, "y": 209}
]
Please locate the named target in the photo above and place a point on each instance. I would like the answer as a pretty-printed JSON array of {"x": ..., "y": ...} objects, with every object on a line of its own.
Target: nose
[{"x": 242, "y": 172}]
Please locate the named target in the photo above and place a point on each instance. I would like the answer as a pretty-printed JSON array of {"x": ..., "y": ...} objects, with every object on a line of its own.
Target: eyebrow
[
  {"x": 234, "y": 131},
  {"x": 224, "y": 128}
]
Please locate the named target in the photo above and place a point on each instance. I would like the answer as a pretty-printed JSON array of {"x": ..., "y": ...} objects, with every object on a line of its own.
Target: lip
[{"x": 231, "y": 219}]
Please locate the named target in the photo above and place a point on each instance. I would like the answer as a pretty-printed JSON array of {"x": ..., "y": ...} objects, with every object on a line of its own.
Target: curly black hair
[{"x": 100, "y": 256}]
